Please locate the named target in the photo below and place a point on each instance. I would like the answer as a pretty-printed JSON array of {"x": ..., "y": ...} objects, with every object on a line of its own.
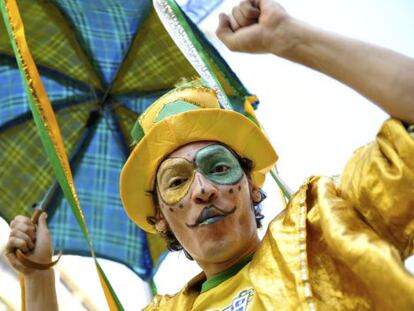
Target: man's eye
[
  {"x": 177, "y": 182},
  {"x": 220, "y": 169}
]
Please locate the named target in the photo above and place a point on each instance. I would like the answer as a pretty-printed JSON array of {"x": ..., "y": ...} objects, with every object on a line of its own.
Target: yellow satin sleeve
[
  {"x": 376, "y": 278},
  {"x": 379, "y": 183}
]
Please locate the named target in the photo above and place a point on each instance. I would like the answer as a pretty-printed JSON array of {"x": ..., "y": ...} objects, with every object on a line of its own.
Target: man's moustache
[{"x": 209, "y": 212}]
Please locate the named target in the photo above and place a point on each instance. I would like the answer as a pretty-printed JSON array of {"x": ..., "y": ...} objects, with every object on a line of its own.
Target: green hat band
[{"x": 170, "y": 109}]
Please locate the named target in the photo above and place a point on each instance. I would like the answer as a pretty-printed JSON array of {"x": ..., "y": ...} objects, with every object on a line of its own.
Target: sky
[{"x": 314, "y": 122}]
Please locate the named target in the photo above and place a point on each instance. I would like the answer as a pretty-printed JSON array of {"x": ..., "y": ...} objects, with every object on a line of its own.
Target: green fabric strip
[
  {"x": 201, "y": 52},
  {"x": 281, "y": 185},
  {"x": 253, "y": 119},
  {"x": 137, "y": 133},
  {"x": 108, "y": 284},
  {"x": 153, "y": 287},
  {"x": 225, "y": 275},
  {"x": 286, "y": 192},
  {"x": 174, "y": 108}
]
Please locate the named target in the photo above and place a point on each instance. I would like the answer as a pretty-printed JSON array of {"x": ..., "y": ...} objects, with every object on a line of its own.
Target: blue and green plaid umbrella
[{"x": 102, "y": 62}]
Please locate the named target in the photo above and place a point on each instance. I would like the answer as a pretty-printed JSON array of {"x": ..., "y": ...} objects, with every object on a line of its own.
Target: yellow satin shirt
[{"x": 335, "y": 247}]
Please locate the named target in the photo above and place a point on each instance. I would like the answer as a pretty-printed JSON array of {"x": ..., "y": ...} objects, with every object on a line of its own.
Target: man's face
[{"x": 205, "y": 198}]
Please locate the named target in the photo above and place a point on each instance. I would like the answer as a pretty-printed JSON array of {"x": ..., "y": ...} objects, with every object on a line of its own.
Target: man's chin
[
  {"x": 219, "y": 250},
  {"x": 217, "y": 238}
]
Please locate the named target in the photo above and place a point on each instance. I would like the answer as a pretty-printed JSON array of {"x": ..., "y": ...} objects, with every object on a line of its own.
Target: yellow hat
[{"x": 186, "y": 114}]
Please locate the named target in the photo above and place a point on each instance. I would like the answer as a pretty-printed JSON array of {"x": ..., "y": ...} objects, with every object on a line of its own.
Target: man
[{"x": 335, "y": 247}]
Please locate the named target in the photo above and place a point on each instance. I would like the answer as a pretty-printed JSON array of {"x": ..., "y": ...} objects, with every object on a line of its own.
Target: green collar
[{"x": 221, "y": 277}]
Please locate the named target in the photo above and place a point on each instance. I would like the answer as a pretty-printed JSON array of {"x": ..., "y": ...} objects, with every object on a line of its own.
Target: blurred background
[{"x": 314, "y": 123}]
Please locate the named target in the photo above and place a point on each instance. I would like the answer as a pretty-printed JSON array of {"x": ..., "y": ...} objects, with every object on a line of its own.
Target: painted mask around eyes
[{"x": 215, "y": 162}]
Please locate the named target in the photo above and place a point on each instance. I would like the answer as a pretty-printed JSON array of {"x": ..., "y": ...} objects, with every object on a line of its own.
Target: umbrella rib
[
  {"x": 119, "y": 138},
  {"x": 51, "y": 73},
  {"x": 126, "y": 54},
  {"x": 157, "y": 93},
  {"x": 28, "y": 115},
  {"x": 74, "y": 157},
  {"x": 80, "y": 43}
]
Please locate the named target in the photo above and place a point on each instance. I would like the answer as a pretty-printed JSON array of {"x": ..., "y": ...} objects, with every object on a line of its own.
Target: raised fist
[{"x": 256, "y": 26}]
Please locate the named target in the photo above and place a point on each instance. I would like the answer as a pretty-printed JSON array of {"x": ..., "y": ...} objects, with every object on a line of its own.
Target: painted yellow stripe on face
[{"x": 174, "y": 179}]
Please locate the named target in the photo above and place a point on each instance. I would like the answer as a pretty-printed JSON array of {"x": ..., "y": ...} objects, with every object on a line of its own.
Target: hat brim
[{"x": 228, "y": 127}]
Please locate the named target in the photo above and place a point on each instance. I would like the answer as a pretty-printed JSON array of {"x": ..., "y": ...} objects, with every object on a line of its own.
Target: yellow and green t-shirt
[{"x": 229, "y": 290}]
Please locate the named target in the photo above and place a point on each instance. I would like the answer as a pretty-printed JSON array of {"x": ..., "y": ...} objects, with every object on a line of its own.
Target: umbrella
[{"x": 101, "y": 63}]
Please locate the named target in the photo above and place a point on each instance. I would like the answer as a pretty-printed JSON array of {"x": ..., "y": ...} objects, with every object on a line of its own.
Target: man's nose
[{"x": 204, "y": 191}]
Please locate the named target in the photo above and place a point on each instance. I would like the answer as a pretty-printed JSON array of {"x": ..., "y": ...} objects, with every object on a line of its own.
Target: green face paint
[
  {"x": 219, "y": 165},
  {"x": 176, "y": 175}
]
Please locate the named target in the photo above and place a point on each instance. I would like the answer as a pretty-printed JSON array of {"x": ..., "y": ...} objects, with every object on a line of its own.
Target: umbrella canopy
[{"x": 102, "y": 62}]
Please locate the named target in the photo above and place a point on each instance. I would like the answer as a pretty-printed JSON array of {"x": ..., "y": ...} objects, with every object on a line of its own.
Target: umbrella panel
[
  {"x": 52, "y": 41},
  {"x": 105, "y": 29},
  {"x": 96, "y": 175},
  {"x": 25, "y": 170},
  {"x": 164, "y": 64},
  {"x": 14, "y": 106}
]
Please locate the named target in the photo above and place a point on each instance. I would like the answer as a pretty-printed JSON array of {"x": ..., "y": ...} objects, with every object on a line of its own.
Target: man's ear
[
  {"x": 256, "y": 194},
  {"x": 160, "y": 223},
  {"x": 161, "y": 226}
]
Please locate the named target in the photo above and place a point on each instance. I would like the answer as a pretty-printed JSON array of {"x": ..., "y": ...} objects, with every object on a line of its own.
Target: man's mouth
[{"x": 210, "y": 215}]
